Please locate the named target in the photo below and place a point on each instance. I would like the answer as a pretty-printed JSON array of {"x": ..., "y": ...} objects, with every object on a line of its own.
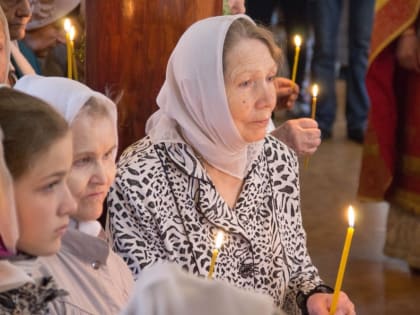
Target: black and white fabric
[{"x": 164, "y": 207}]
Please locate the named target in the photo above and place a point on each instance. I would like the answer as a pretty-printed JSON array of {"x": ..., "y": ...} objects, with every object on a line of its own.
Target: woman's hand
[
  {"x": 236, "y": 6},
  {"x": 287, "y": 92},
  {"x": 302, "y": 135},
  {"x": 319, "y": 304},
  {"x": 408, "y": 50}
]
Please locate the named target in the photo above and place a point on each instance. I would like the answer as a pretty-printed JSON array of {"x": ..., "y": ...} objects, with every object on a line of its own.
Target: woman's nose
[
  {"x": 267, "y": 95},
  {"x": 69, "y": 204}
]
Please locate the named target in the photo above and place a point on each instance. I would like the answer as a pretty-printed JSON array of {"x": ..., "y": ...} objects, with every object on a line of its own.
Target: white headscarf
[
  {"x": 193, "y": 97},
  {"x": 65, "y": 95},
  {"x": 164, "y": 289}
]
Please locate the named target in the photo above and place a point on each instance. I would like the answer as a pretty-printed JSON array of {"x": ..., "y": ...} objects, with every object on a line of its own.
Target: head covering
[
  {"x": 5, "y": 25},
  {"x": 164, "y": 289},
  {"x": 45, "y": 12},
  {"x": 65, "y": 95},
  {"x": 8, "y": 221},
  {"x": 193, "y": 97}
]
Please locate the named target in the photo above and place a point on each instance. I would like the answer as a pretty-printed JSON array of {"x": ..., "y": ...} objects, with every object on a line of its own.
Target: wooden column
[{"x": 128, "y": 44}]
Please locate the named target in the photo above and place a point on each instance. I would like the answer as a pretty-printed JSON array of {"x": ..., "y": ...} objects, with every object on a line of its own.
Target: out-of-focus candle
[
  {"x": 72, "y": 34},
  {"x": 67, "y": 28},
  {"x": 313, "y": 111},
  {"x": 218, "y": 243},
  {"x": 343, "y": 262},
  {"x": 298, "y": 42}
]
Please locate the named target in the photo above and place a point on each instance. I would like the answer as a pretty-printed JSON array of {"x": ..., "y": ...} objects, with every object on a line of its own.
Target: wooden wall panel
[{"x": 128, "y": 44}]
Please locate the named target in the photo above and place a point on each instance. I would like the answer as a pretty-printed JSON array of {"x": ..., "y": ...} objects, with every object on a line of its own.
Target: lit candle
[
  {"x": 298, "y": 42},
  {"x": 73, "y": 56},
  {"x": 67, "y": 28},
  {"x": 313, "y": 111},
  {"x": 343, "y": 262},
  {"x": 219, "y": 240}
]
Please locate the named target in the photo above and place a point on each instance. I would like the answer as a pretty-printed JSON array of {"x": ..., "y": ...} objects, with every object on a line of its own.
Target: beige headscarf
[
  {"x": 8, "y": 221},
  {"x": 193, "y": 97}
]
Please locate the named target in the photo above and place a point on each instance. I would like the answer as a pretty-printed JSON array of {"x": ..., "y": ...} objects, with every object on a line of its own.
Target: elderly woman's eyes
[
  {"x": 271, "y": 78},
  {"x": 83, "y": 161},
  {"x": 245, "y": 83}
]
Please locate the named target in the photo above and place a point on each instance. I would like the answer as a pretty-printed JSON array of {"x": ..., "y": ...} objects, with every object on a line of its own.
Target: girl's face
[
  {"x": 93, "y": 171},
  {"x": 249, "y": 82},
  {"x": 44, "y": 201}
]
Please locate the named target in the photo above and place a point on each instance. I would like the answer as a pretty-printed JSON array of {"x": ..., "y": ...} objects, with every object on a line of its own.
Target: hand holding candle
[
  {"x": 67, "y": 28},
  {"x": 343, "y": 262},
  {"x": 218, "y": 243},
  {"x": 298, "y": 42}
]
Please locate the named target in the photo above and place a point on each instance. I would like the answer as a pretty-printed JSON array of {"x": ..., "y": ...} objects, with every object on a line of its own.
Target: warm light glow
[
  {"x": 298, "y": 40},
  {"x": 219, "y": 239},
  {"x": 315, "y": 90},
  {"x": 67, "y": 25},
  {"x": 72, "y": 33},
  {"x": 351, "y": 216}
]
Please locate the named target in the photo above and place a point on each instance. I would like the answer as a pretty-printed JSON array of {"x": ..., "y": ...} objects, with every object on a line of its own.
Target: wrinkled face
[
  {"x": 4, "y": 60},
  {"x": 44, "y": 201},
  {"x": 18, "y": 13},
  {"x": 249, "y": 82},
  {"x": 42, "y": 40},
  {"x": 93, "y": 171}
]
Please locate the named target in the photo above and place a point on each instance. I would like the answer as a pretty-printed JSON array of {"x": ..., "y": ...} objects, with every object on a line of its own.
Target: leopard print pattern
[{"x": 163, "y": 206}]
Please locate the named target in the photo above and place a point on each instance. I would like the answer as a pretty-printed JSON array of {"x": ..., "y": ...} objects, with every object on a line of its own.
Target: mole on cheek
[{"x": 243, "y": 102}]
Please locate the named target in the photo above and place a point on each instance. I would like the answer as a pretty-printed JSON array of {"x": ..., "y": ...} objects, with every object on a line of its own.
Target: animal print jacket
[{"x": 163, "y": 206}]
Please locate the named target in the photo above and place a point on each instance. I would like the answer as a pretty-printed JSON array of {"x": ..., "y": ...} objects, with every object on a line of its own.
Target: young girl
[{"x": 38, "y": 150}]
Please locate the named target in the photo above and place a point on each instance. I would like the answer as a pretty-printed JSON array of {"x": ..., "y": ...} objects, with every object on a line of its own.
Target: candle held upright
[
  {"x": 67, "y": 28},
  {"x": 298, "y": 42},
  {"x": 343, "y": 262},
  {"x": 315, "y": 91},
  {"x": 73, "y": 56},
  {"x": 218, "y": 244}
]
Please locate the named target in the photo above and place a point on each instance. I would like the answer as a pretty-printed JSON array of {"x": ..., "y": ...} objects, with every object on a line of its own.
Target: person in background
[
  {"x": 327, "y": 15},
  {"x": 391, "y": 152},
  {"x": 38, "y": 156},
  {"x": 45, "y": 31},
  {"x": 97, "y": 279},
  {"x": 4, "y": 49},
  {"x": 207, "y": 164},
  {"x": 18, "y": 13}
]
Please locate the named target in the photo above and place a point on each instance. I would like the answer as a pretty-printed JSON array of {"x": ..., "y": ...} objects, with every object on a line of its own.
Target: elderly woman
[
  {"x": 207, "y": 165},
  {"x": 98, "y": 280},
  {"x": 38, "y": 155}
]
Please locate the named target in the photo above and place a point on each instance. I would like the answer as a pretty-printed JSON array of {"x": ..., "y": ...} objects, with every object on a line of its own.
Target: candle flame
[
  {"x": 298, "y": 40},
  {"x": 315, "y": 90},
  {"x": 219, "y": 239},
  {"x": 351, "y": 216},
  {"x": 72, "y": 33},
  {"x": 67, "y": 25}
]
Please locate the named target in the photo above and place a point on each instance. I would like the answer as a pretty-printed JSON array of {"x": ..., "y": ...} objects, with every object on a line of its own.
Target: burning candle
[
  {"x": 67, "y": 28},
  {"x": 343, "y": 262},
  {"x": 218, "y": 243},
  {"x": 72, "y": 34},
  {"x": 298, "y": 42}
]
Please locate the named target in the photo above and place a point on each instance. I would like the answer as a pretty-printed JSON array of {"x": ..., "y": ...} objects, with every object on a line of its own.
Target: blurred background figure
[
  {"x": 44, "y": 43},
  {"x": 4, "y": 48},
  {"x": 391, "y": 156},
  {"x": 327, "y": 15},
  {"x": 294, "y": 16},
  {"x": 17, "y": 13}
]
